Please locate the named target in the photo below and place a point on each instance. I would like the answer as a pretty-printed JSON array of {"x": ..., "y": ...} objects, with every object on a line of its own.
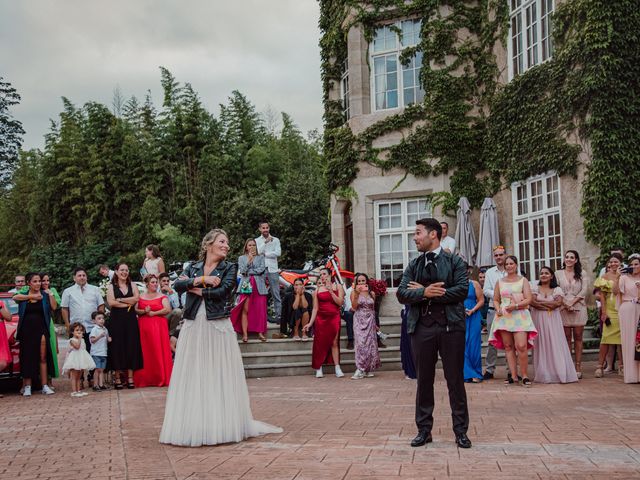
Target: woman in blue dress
[
  {"x": 406, "y": 355},
  {"x": 473, "y": 337}
]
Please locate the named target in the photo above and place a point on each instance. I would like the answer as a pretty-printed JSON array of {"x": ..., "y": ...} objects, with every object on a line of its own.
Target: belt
[{"x": 491, "y": 308}]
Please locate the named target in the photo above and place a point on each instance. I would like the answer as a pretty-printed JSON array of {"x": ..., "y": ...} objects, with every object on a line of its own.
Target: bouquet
[{"x": 379, "y": 287}]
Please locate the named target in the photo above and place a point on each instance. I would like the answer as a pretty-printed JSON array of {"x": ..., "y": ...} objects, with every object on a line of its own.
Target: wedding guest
[
  {"x": 125, "y": 351},
  {"x": 53, "y": 337},
  {"x": 617, "y": 251},
  {"x": 551, "y": 356},
  {"x": 606, "y": 291},
  {"x": 473, "y": 334},
  {"x": 18, "y": 282},
  {"x": 491, "y": 280},
  {"x": 269, "y": 246},
  {"x": 512, "y": 329},
  {"x": 174, "y": 299},
  {"x": 36, "y": 356},
  {"x": 347, "y": 313},
  {"x": 297, "y": 306},
  {"x": 208, "y": 400},
  {"x": 250, "y": 315},
  {"x": 327, "y": 300},
  {"x": 106, "y": 272},
  {"x": 5, "y": 351},
  {"x": 153, "y": 262},
  {"x": 482, "y": 273},
  {"x": 364, "y": 328},
  {"x": 406, "y": 355},
  {"x": 629, "y": 312},
  {"x": 152, "y": 308},
  {"x": 448, "y": 243},
  {"x": 574, "y": 284}
]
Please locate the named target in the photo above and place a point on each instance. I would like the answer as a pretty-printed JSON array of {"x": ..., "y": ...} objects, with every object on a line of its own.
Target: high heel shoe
[
  {"x": 245, "y": 339},
  {"x": 579, "y": 371},
  {"x": 262, "y": 337},
  {"x": 130, "y": 384}
]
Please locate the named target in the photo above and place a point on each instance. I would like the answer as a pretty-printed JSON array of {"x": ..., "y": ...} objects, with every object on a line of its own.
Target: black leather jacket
[{"x": 218, "y": 301}]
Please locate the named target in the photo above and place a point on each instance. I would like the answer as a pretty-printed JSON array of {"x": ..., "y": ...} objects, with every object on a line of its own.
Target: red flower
[{"x": 379, "y": 287}]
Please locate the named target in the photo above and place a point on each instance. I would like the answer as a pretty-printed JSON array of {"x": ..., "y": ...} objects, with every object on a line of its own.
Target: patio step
[{"x": 284, "y": 357}]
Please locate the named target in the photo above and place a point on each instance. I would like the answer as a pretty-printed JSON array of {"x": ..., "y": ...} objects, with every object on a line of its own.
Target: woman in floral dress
[{"x": 364, "y": 328}]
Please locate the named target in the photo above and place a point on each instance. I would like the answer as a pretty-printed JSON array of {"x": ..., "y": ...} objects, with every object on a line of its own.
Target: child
[
  {"x": 78, "y": 359},
  {"x": 99, "y": 337}
]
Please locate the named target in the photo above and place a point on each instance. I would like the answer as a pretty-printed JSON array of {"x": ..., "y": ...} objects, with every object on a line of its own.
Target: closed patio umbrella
[
  {"x": 465, "y": 239},
  {"x": 488, "y": 237}
]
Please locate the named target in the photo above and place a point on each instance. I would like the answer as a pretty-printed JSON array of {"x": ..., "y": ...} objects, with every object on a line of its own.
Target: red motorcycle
[{"x": 311, "y": 271}]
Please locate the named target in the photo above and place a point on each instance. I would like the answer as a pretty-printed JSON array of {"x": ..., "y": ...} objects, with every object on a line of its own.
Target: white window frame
[
  {"x": 396, "y": 51},
  {"x": 543, "y": 213},
  {"x": 406, "y": 228},
  {"x": 531, "y": 43}
]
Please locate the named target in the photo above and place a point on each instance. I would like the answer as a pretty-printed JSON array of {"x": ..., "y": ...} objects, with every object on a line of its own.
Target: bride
[{"x": 208, "y": 400}]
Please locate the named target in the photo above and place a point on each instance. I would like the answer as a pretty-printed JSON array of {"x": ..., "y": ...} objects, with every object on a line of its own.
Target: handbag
[
  {"x": 637, "y": 355},
  {"x": 245, "y": 287}
]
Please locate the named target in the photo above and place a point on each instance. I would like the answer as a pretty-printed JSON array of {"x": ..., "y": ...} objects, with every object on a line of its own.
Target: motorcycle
[{"x": 311, "y": 271}]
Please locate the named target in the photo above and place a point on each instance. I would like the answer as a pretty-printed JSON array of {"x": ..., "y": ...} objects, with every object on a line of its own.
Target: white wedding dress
[{"x": 208, "y": 399}]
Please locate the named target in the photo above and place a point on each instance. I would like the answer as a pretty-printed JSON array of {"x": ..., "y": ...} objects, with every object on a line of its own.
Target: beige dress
[
  {"x": 152, "y": 265},
  {"x": 628, "y": 313},
  {"x": 577, "y": 316}
]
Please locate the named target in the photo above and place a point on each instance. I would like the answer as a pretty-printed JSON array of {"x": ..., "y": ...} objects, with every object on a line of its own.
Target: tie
[{"x": 430, "y": 267}]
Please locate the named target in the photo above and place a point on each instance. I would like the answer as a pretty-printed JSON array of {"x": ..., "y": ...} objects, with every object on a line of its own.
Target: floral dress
[{"x": 514, "y": 321}]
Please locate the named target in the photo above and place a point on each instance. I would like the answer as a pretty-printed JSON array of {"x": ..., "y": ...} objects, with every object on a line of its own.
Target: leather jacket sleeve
[
  {"x": 404, "y": 294},
  {"x": 457, "y": 291},
  {"x": 226, "y": 287},
  {"x": 182, "y": 286}
]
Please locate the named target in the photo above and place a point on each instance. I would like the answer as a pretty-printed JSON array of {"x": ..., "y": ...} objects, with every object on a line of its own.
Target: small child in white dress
[{"x": 78, "y": 359}]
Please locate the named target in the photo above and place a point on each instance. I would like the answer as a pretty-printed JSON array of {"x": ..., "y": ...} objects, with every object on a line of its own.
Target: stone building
[{"x": 539, "y": 218}]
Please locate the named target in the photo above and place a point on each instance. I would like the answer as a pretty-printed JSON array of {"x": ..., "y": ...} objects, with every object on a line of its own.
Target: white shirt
[
  {"x": 82, "y": 302},
  {"x": 271, "y": 252},
  {"x": 347, "y": 299},
  {"x": 448, "y": 243},
  {"x": 491, "y": 278},
  {"x": 99, "y": 348}
]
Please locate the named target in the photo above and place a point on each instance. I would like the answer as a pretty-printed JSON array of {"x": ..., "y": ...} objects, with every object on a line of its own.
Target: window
[
  {"x": 344, "y": 91},
  {"x": 395, "y": 222},
  {"x": 530, "y": 34},
  {"x": 395, "y": 85},
  {"x": 537, "y": 233}
]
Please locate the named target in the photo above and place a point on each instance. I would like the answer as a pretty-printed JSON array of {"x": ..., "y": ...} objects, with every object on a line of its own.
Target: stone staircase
[{"x": 282, "y": 357}]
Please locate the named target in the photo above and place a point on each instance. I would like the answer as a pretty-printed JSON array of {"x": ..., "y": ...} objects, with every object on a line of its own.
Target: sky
[{"x": 84, "y": 49}]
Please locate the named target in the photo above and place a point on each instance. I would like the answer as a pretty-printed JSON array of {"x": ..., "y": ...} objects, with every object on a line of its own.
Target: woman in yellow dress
[{"x": 606, "y": 291}]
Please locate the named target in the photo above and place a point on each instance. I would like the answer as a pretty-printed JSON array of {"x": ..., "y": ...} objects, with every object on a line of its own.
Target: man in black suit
[{"x": 434, "y": 285}]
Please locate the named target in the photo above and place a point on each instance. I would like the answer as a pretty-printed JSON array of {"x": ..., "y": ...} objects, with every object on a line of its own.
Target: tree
[{"x": 11, "y": 132}]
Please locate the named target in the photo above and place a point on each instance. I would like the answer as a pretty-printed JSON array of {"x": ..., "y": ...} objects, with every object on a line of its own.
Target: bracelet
[{"x": 202, "y": 280}]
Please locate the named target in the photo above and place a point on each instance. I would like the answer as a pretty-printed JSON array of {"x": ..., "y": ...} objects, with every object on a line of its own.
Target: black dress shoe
[
  {"x": 463, "y": 441},
  {"x": 487, "y": 376},
  {"x": 422, "y": 438}
]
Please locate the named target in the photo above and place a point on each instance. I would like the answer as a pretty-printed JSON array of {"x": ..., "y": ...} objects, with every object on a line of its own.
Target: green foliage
[
  {"x": 488, "y": 135},
  {"x": 10, "y": 132},
  {"x": 164, "y": 176}
]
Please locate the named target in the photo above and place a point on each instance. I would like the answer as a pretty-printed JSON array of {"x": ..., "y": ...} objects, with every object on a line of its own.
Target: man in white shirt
[
  {"x": 106, "y": 272},
  {"x": 79, "y": 301},
  {"x": 269, "y": 246},
  {"x": 491, "y": 280},
  {"x": 19, "y": 282},
  {"x": 447, "y": 243},
  {"x": 347, "y": 315}
]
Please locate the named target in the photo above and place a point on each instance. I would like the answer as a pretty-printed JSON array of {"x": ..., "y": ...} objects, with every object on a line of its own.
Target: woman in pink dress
[
  {"x": 5, "y": 352},
  {"x": 327, "y": 300},
  {"x": 551, "y": 357},
  {"x": 575, "y": 285},
  {"x": 152, "y": 308},
  {"x": 628, "y": 313},
  {"x": 364, "y": 328},
  {"x": 250, "y": 315}
]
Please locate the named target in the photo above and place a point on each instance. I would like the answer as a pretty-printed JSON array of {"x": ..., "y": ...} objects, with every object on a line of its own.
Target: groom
[{"x": 435, "y": 285}]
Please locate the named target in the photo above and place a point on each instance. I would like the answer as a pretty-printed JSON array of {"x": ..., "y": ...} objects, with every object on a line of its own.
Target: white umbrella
[
  {"x": 465, "y": 239},
  {"x": 488, "y": 237}
]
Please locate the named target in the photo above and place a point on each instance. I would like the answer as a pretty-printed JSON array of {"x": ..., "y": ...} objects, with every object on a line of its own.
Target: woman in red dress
[
  {"x": 152, "y": 309},
  {"x": 5, "y": 352},
  {"x": 327, "y": 300}
]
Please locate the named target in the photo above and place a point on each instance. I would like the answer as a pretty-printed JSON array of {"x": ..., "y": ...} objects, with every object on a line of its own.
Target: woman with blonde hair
[
  {"x": 208, "y": 399},
  {"x": 250, "y": 315}
]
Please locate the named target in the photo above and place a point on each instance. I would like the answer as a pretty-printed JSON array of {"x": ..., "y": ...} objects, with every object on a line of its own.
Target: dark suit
[{"x": 437, "y": 325}]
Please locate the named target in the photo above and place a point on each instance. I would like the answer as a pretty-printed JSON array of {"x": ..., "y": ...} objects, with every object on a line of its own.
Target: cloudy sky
[{"x": 84, "y": 49}]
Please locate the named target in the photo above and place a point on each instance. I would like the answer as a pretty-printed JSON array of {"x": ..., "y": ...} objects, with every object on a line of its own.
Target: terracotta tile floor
[{"x": 334, "y": 429}]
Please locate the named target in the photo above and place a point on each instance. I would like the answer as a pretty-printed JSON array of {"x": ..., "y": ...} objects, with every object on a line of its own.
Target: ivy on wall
[{"x": 488, "y": 135}]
